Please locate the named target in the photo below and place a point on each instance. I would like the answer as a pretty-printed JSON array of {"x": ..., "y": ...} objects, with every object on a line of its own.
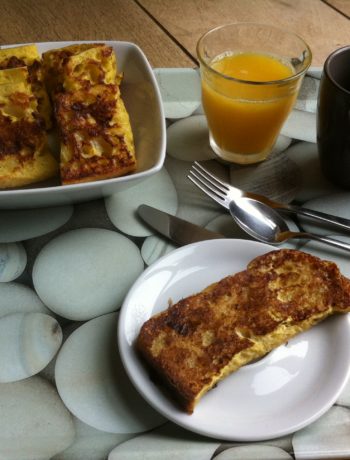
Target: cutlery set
[
  {"x": 225, "y": 192},
  {"x": 256, "y": 214}
]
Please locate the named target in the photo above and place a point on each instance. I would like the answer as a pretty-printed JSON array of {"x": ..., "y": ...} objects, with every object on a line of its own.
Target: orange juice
[{"x": 246, "y": 98}]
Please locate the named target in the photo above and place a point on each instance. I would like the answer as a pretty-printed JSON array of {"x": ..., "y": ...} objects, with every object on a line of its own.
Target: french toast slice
[
  {"x": 25, "y": 157},
  {"x": 80, "y": 66},
  {"x": 94, "y": 126},
  {"x": 203, "y": 338},
  {"x": 27, "y": 56},
  {"x": 96, "y": 137}
]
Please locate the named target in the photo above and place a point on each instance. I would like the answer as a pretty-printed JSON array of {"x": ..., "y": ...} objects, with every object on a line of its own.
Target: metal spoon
[{"x": 265, "y": 224}]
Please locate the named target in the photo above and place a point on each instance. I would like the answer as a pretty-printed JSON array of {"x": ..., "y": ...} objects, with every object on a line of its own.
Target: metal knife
[{"x": 178, "y": 230}]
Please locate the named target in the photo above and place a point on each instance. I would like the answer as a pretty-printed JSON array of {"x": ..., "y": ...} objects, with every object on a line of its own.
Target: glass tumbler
[{"x": 250, "y": 77}]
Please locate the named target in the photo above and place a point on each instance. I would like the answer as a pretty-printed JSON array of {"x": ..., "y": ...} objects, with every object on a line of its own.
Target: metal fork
[{"x": 223, "y": 193}]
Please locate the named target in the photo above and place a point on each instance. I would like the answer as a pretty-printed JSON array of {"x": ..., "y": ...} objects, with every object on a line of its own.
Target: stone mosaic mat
[{"x": 64, "y": 273}]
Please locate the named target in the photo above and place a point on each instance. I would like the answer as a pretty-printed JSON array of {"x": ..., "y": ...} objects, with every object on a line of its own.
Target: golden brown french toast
[
  {"x": 96, "y": 136},
  {"x": 93, "y": 123},
  {"x": 27, "y": 57},
  {"x": 202, "y": 338},
  {"x": 80, "y": 66},
  {"x": 25, "y": 157}
]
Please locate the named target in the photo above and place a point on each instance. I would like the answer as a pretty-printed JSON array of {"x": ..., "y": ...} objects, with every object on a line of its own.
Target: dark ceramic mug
[{"x": 333, "y": 118}]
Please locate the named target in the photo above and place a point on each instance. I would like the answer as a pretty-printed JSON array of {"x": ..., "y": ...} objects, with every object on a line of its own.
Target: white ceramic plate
[
  {"x": 285, "y": 391},
  {"x": 142, "y": 97}
]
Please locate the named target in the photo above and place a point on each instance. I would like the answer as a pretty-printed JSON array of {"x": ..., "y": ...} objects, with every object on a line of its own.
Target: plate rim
[{"x": 123, "y": 347}]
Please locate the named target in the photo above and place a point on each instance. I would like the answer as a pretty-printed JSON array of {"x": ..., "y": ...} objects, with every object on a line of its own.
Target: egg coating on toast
[
  {"x": 95, "y": 132},
  {"x": 27, "y": 56},
  {"x": 203, "y": 338},
  {"x": 80, "y": 66},
  {"x": 24, "y": 155},
  {"x": 94, "y": 126}
]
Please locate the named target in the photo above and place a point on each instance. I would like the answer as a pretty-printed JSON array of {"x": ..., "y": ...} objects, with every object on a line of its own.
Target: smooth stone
[
  {"x": 168, "y": 438},
  {"x": 338, "y": 256},
  {"x": 308, "y": 93},
  {"x": 194, "y": 205},
  {"x": 157, "y": 191},
  {"x": 86, "y": 272},
  {"x": 225, "y": 225},
  {"x": 199, "y": 110},
  {"x": 188, "y": 139},
  {"x": 28, "y": 342},
  {"x": 253, "y": 452},
  {"x": 180, "y": 91},
  {"x": 300, "y": 125},
  {"x": 91, "y": 444},
  {"x": 283, "y": 442},
  {"x": 336, "y": 204},
  {"x": 328, "y": 437},
  {"x": 92, "y": 383},
  {"x": 155, "y": 247},
  {"x": 49, "y": 371},
  {"x": 282, "y": 143},
  {"x": 313, "y": 182},
  {"x": 18, "y": 298},
  {"x": 90, "y": 214},
  {"x": 315, "y": 72},
  {"x": 34, "y": 423},
  {"x": 22, "y": 224},
  {"x": 13, "y": 260},
  {"x": 277, "y": 177}
]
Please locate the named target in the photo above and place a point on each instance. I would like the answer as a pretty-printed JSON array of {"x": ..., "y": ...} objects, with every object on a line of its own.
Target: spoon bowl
[
  {"x": 265, "y": 224},
  {"x": 258, "y": 219}
]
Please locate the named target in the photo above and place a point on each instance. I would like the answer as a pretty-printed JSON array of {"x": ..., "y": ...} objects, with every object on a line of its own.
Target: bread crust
[{"x": 202, "y": 338}]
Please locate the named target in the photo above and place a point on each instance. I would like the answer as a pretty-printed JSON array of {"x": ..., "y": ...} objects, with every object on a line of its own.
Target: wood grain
[
  {"x": 321, "y": 26},
  {"x": 53, "y": 20},
  {"x": 340, "y": 5}
]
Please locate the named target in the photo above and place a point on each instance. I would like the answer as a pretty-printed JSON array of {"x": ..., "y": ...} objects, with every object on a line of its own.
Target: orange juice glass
[{"x": 251, "y": 75}]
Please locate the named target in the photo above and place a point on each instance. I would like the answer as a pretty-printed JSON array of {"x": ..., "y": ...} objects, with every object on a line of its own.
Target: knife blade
[{"x": 178, "y": 230}]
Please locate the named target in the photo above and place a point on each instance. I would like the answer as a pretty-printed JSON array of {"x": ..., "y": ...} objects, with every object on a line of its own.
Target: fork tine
[
  {"x": 221, "y": 185},
  {"x": 207, "y": 190},
  {"x": 208, "y": 185},
  {"x": 206, "y": 180}
]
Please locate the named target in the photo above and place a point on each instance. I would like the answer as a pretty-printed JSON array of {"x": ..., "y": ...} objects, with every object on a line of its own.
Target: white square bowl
[{"x": 142, "y": 98}]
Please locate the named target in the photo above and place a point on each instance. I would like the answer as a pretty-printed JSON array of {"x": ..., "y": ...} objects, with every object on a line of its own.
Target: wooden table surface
[{"x": 167, "y": 30}]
